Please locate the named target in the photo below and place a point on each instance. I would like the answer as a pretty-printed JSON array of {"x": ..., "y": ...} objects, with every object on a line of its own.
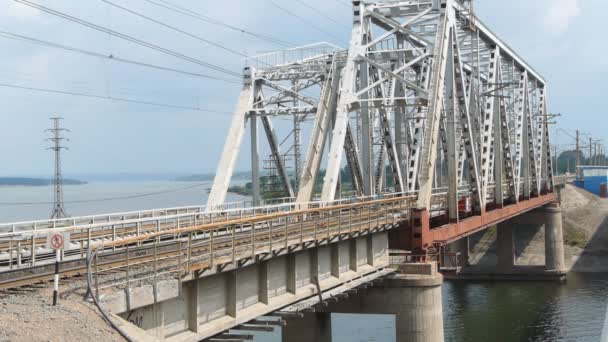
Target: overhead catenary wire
[
  {"x": 113, "y": 98},
  {"x": 127, "y": 37},
  {"x": 106, "y": 199},
  {"x": 196, "y": 15},
  {"x": 338, "y": 39},
  {"x": 319, "y": 12},
  {"x": 176, "y": 29},
  {"x": 111, "y": 57},
  {"x": 343, "y": 3}
]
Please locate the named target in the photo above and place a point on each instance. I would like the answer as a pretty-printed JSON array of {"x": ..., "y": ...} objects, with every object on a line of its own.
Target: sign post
[{"x": 57, "y": 242}]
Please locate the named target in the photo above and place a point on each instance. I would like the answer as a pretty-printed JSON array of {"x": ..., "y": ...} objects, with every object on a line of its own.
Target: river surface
[{"x": 473, "y": 311}]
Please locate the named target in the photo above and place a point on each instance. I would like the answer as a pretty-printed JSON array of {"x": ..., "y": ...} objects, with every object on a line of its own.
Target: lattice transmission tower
[{"x": 57, "y": 139}]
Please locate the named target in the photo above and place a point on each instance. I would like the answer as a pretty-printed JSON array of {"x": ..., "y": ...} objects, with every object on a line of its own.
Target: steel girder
[{"x": 424, "y": 83}]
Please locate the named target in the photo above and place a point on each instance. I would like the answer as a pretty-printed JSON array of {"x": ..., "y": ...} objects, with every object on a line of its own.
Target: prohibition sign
[{"x": 56, "y": 241}]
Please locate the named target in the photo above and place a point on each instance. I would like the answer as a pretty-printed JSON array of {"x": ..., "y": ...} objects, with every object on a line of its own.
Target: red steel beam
[{"x": 454, "y": 231}]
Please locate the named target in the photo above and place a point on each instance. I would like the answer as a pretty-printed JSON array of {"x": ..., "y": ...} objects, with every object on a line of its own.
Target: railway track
[{"x": 200, "y": 254}]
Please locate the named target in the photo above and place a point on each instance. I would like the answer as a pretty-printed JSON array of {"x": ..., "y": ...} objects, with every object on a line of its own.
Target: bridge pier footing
[
  {"x": 413, "y": 295},
  {"x": 416, "y": 302}
]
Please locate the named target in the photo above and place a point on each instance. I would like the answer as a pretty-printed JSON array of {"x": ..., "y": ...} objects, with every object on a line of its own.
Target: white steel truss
[{"x": 426, "y": 98}]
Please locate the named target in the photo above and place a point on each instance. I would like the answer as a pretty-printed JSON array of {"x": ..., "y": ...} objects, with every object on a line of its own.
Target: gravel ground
[{"x": 27, "y": 314}]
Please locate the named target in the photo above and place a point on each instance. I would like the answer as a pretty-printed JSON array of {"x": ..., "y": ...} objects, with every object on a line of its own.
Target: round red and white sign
[{"x": 56, "y": 241}]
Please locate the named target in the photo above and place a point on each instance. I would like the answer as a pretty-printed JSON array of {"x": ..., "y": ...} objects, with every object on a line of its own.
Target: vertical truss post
[
  {"x": 255, "y": 160},
  {"x": 429, "y": 150},
  {"x": 450, "y": 123},
  {"x": 488, "y": 123},
  {"x": 345, "y": 101},
  {"x": 297, "y": 150},
  {"x": 321, "y": 126},
  {"x": 498, "y": 146},
  {"x": 367, "y": 158},
  {"x": 468, "y": 136},
  {"x": 524, "y": 154}
]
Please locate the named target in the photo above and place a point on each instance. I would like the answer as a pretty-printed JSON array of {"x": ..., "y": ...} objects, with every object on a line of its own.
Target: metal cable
[
  {"x": 103, "y": 312},
  {"x": 319, "y": 12},
  {"x": 303, "y": 20},
  {"x": 184, "y": 11},
  {"x": 14, "y": 36},
  {"x": 176, "y": 29},
  {"x": 127, "y": 37},
  {"x": 111, "y": 98}
]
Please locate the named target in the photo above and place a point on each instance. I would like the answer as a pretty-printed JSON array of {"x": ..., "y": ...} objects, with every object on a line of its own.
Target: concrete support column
[
  {"x": 191, "y": 289},
  {"x": 460, "y": 246},
  {"x": 291, "y": 273},
  {"x": 313, "y": 327},
  {"x": 335, "y": 259},
  {"x": 554, "y": 239},
  {"x": 415, "y": 299},
  {"x": 505, "y": 246},
  {"x": 264, "y": 286}
]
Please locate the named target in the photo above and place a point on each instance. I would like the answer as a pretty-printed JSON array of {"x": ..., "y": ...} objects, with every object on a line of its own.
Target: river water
[{"x": 473, "y": 311}]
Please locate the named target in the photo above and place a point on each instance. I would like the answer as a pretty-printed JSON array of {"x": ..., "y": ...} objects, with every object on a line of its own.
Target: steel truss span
[{"x": 425, "y": 97}]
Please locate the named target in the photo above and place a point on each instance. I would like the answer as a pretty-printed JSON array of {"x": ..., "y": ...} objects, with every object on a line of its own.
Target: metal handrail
[{"x": 214, "y": 244}]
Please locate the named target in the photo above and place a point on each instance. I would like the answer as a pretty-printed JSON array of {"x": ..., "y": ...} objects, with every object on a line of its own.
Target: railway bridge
[{"x": 428, "y": 128}]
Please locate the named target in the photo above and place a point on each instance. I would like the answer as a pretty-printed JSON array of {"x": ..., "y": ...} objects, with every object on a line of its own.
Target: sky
[{"x": 562, "y": 39}]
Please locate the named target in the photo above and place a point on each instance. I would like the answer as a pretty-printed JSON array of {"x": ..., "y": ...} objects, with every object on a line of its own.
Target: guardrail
[
  {"x": 297, "y": 54},
  {"x": 22, "y": 245},
  {"x": 175, "y": 253},
  {"x": 23, "y": 248}
]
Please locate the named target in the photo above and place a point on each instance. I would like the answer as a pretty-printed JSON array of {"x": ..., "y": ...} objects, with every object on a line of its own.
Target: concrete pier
[
  {"x": 413, "y": 295},
  {"x": 554, "y": 239},
  {"x": 462, "y": 247},
  {"x": 416, "y": 302},
  {"x": 544, "y": 223},
  {"x": 505, "y": 246}
]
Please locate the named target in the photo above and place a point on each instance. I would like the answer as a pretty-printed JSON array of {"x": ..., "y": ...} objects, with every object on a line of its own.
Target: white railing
[
  {"x": 298, "y": 54},
  {"x": 22, "y": 248}
]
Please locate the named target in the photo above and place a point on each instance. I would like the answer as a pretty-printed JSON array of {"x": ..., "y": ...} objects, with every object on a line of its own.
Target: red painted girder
[{"x": 454, "y": 231}]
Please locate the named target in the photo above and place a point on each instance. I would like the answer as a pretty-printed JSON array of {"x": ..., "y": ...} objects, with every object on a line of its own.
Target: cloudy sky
[{"x": 562, "y": 39}]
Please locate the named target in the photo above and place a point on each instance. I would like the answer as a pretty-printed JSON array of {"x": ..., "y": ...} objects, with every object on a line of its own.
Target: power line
[
  {"x": 14, "y": 36},
  {"x": 303, "y": 20},
  {"x": 112, "y": 98},
  {"x": 176, "y": 29},
  {"x": 343, "y": 4},
  {"x": 316, "y": 10},
  {"x": 106, "y": 199},
  {"x": 184, "y": 11},
  {"x": 126, "y": 37}
]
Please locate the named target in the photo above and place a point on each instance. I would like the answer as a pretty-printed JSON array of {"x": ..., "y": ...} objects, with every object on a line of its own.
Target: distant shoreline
[{"x": 32, "y": 182}]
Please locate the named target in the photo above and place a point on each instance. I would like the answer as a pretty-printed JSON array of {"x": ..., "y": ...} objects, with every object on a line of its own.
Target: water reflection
[{"x": 526, "y": 311}]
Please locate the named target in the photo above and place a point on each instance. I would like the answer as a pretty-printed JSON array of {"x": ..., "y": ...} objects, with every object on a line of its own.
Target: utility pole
[
  {"x": 556, "y": 159},
  {"x": 590, "y": 151},
  {"x": 578, "y": 154},
  {"x": 57, "y": 139}
]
